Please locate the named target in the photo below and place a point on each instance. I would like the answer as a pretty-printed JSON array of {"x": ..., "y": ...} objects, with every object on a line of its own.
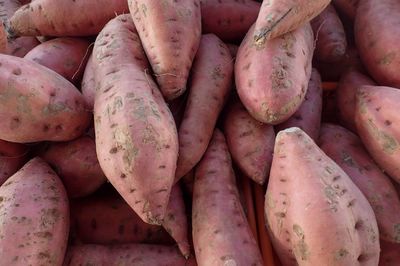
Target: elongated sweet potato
[
  {"x": 170, "y": 32},
  {"x": 34, "y": 217},
  {"x": 377, "y": 36},
  {"x": 124, "y": 255},
  {"x": 278, "y": 17},
  {"x": 136, "y": 137},
  {"x": 229, "y": 20},
  {"x": 221, "y": 233},
  {"x": 308, "y": 116},
  {"x": 347, "y": 151},
  {"x": 37, "y": 104},
  {"x": 347, "y": 7},
  {"x": 250, "y": 142},
  {"x": 378, "y": 126},
  {"x": 211, "y": 83},
  {"x": 329, "y": 33},
  {"x": 64, "y": 17},
  {"x": 88, "y": 83},
  {"x": 66, "y": 56},
  {"x": 346, "y": 96},
  {"x": 272, "y": 80},
  {"x": 315, "y": 214},
  {"x": 12, "y": 158},
  {"x": 390, "y": 254}
]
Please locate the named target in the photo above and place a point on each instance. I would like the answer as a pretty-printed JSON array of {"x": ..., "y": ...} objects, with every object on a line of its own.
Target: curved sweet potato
[
  {"x": 88, "y": 85},
  {"x": 12, "y": 158}
]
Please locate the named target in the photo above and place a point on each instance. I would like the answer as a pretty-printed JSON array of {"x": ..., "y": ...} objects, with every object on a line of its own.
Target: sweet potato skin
[
  {"x": 347, "y": 150},
  {"x": 3, "y": 39},
  {"x": 88, "y": 83},
  {"x": 37, "y": 104},
  {"x": 216, "y": 201},
  {"x": 315, "y": 214},
  {"x": 12, "y": 158},
  {"x": 348, "y": 7},
  {"x": 35, "y": 217},
  {"x": 136, "y": 136},
  {"x": 170, "y": 33},
  {"x": 390, "y": 254},
  {"x": 212, "y": 77},
  {"x": 21, "y": 46},
  {"x": 272, "y": 80},
  {"x": 377, "y": 123}
]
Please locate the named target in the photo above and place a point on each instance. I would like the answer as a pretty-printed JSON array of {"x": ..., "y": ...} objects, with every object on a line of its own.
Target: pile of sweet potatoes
[{"x": 199, "y": 132}]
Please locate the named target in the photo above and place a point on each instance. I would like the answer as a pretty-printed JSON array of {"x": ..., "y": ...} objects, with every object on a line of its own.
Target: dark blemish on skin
[
  {"x": 113, "y": 150},
  {"x": 123, "y": 175}
]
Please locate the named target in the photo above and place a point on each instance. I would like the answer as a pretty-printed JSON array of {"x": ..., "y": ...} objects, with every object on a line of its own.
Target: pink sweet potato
[
  {"x": 272, "y": 80},
  {"x": 347, "y": 151},
  {"x": 378, "y": 125},
  {"x": 67, "y": 56},
  {"x": 34, "y": 217},
  {"x": 136, "y": 137},
  {"x": 64, "y": 17},
  {"x": 330, "y": 36},
  {"x": 229, "y": 20},
  {"x": 211, "y": 83},
  {"x": 76, "y": 164},
  {"x": 250, "y": 142},
  {"x": 88, "y": 83},
  {"x": 278, "y": 17},
  {"x": 12, "y": 158},
  {"x": 37, "y": 104},
  {"x": 315, "y": 214},
  {"x": 308, "y": 116},
  {"x": 346, "y": 96},
  {"x": 170, "y": 32},
  {"x": 347, "y": 7},
  {"x": 221, "y": 233},
  {"x": 125, "y": 255},
  {"x": 377, "y": 37}
]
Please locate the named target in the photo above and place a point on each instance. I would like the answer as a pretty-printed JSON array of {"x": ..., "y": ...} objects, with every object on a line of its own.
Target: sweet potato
[
  {"x": 347, "y": 7},
  {"x": 64, "y": 17},
  {"x": 377, "y": 36},
  {"x": 278, "y": 17},
  {"x": 66, "y": 56},
  {"x": 308, "y": 116},
  {"x": 390, "y": 254},
  {"x": 211, "y": 83},
  {"x": 378, "y": 123},
  {"x": 34, "y": 217},
  {"x": 125, "y": 255},
  {"x": 109, "y": 220},
  {"x": 347, "y": 151},
  {"x": 88, "y": 83},
  {"x": 37, "y": 104},
  {"x": 12, "y": 158},
  {"x": 136, "y": 137},
  {"x": 250, "y": 142},
  {"x": 229, "y": 20},
  {"x": 221, "y": 233},
  {"x": 315, "y": 214},
  {"x": 330, "y": 36},
  {"x": 272, "y": 80},
  {"x": 346, "y": 96},
  {"x": 170, "y": 32},
  {"x": 76, "y": 164}
]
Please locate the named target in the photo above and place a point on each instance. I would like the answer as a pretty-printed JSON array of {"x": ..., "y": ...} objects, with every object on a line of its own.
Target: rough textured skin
[
  {"x": 12, "y": 158},
  {"x": 378, "y": 126},
  {"x": 347, "y": 7},
  {"x": 64, "y": 17},
  {"x": 315, "y": 214},
  {"x": 66, "y": 56},
  {"x": 170, "y": 32},
  {"x": 308, "y": 116},
  {"x": 272, "y": 79},
  {"x": 76, "y": 164},
  {"x": 377, "y": 36},
  {"x": 347, "y": 151},
  {"x": 331, "y": 41},
  {"x": 35, "y": 217},
  {"x": 88, "y": 85},
  {"x": 37, "y": 104},
  {"x": 278, "y": 17},
  {"x": 109, "y": 220},
  {"x": 229, "y": 20},
  {"x": 250, "y": 142},
  {"x": 390, "y": 254},
  {"x": 136, "y": 137},
  {"x": 125, "y": 255},
  {"x": 210, "y": 86},
  {"x": 221, "y": 233},
  {"x": 346, "y": 96}
]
